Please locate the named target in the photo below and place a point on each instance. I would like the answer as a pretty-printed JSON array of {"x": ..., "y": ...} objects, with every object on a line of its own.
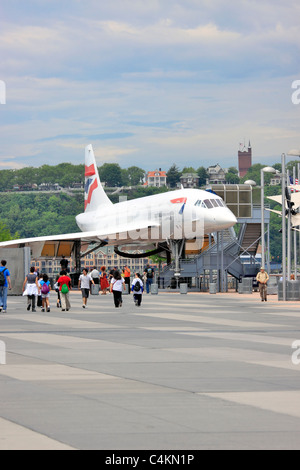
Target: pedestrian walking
[
  {"x": 31, "y": 289},
  {"x": 56, "y": 288},
  {"x": 104, "y": 280},
  {"x": 45, "y": 288},
  {"x": 111, "y": 274},
  {"x": 65, "y": 285},
  {"x": 127, "y": 274},
  {"x": 137, "y": 288},
  {"x": 149, "y": 272},
  {"x": 116, "y": 286},
  {"x": 95, "y": 275},
  {"x": 5, "y": 284},
  {"x": 84, "y": 284},
  {"x": 39, "y": 302},
  {"x": 64, "y": 264},
  {"x": 262, "y": 279}
]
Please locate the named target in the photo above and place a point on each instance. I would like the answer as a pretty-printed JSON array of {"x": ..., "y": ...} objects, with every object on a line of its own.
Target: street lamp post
[
  {"x": 283, "y": 183},
  {"x": 267, "y": 169},
  {"x": 295, "y": 235},
  {"x": 295, "y": 153}
]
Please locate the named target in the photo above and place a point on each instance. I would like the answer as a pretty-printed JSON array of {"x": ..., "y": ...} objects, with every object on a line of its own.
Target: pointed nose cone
[
  {"x": 228, "y": 219},
  {"x": 233, "y": 219}
]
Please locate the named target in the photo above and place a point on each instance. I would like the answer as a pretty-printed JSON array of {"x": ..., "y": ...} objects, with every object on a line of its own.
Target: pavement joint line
[{"x": 166, "y": 373}]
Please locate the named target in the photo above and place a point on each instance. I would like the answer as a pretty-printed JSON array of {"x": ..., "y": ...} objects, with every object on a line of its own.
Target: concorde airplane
[{"x": 158, "y": 222}]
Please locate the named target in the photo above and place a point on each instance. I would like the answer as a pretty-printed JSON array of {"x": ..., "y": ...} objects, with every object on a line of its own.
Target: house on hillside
[
  {"x": 157, "y": 178},
  {"x": 189, "y": 180},
  {"x": 216, "y": 174}
]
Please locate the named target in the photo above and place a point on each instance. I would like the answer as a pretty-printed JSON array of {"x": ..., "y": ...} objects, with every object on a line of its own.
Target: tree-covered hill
[
  {"x": 37, "y": 214},
  {"x": 33, "y": 215}
]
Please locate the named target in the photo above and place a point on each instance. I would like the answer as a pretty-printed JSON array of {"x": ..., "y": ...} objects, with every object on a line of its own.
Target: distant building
[
  {"x": 190, "y": 180},
  {"x": 244, "y": 159},
  {"x": 156, "y": 178},
  {"x": 216, "y": 174},
  {"x": 275, "y": 180},
  {"x": 102, "y": 257}
]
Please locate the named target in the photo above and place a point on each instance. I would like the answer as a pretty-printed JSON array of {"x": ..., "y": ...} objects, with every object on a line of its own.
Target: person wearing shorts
[
  {"x": 84, "y": 284},
  {"x": 45, "y": 292}
]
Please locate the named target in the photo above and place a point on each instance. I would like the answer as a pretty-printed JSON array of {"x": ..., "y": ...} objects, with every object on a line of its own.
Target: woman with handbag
[{"x": 116, "y": 286}]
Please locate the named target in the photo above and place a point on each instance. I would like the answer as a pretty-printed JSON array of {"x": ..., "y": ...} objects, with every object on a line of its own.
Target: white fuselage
[{"x": 185, "y": 213}]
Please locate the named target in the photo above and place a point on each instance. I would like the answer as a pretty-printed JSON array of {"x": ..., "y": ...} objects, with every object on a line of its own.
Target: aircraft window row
[{"x": 210, "y": 203}]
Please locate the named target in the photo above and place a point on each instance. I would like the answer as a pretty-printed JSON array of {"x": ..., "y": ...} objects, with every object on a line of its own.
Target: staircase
[
  {"x": 226, "y": 254},
  {"x": 249, "y": 238}
]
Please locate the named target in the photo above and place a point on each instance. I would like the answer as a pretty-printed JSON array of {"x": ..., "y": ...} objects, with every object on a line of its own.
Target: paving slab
[{"x": 192, "y": 372}]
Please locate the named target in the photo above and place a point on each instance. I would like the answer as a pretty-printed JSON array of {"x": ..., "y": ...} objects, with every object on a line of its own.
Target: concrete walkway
[{"x": 194, "y": 371}]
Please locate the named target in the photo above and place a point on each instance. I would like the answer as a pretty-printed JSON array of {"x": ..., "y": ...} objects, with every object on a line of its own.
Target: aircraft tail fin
[{"x": 94, "y": 194}]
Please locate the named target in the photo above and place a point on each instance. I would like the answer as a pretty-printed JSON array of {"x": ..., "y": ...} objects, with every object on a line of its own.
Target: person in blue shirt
[
  {"x": 45, "y": 292},
  {"x": 5, "y": 286}
]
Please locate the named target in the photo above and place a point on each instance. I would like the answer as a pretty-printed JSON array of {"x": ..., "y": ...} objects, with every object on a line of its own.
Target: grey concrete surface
[
  {"x": 18, "y": 265},
  {"x": 189, "y": 371}
]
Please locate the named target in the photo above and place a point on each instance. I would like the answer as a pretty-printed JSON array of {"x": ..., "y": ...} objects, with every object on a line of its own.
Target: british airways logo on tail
[
  {"x": 91, "y": 184},
  {"x": 180, "y": 200}
]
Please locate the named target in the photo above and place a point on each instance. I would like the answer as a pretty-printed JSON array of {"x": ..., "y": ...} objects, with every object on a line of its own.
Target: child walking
[
  {"x": 45, "y": 291},
  {"x": 137, "y": 288}
]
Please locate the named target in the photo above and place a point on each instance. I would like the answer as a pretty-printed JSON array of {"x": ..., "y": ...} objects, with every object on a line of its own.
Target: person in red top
[{"x": 64, "y": 282}]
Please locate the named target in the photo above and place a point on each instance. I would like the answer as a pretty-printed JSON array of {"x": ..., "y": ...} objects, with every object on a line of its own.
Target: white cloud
[{"x": 180, "y": 79}]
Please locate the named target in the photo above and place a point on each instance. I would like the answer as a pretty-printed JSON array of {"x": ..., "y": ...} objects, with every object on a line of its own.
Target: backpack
[
  {"x": 137, "y": 286},
  {"x": 2, "y": 277},
  {"x": 64, "y": 289},
  {"x": 45, "y": 289}
]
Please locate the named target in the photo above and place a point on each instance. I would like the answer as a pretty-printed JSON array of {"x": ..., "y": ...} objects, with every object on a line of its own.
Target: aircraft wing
[
  {"x": 296, "y": 220},
  {"x": 273, "y": 210},
  {"x": 58, "y": 245},
  {"x": 277, "y": 199},
  {"x": 295, "y": 198}
]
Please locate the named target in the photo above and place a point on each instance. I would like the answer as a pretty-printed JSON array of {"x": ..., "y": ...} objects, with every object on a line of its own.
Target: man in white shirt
[
  {"x": 95, "y": 275},
  {"x": 84, "y": 284}
]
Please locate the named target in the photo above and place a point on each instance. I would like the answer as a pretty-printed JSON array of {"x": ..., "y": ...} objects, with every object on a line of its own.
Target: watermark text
[
  {"x": 2, "y": 353},
  {"x": 2, "y": 92},
  {"x": 296, "y": 353},
  {"x": 296, "y": 93}
]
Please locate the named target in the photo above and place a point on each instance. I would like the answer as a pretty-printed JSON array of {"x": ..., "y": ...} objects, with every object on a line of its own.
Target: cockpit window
[
  {"x": 208, "y": 204},
  {"x": 220, "y": 202}
]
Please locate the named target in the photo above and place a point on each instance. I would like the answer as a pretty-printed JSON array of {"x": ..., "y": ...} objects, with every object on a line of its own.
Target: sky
[{"x": 148, "y": 83}]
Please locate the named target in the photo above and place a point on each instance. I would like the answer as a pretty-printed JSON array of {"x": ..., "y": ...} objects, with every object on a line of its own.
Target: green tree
[
  {"x": 254, "y": 174},
  {"x": 233, "y": 170},
  {"x": 188, "y": 169},
  {"x": 173, "y": 176},
  {"x": 135, "y": 175},
  {"x": 232, "y": 178},
  {"x": 5, "y": 234},
  {"x": 111, "y": 174},
  {"x": 203, "y": 175}
]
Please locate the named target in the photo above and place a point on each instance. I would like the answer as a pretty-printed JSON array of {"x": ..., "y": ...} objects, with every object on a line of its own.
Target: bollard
[
  {"x": 183, "y": 288},
  {"x": 95, "y": 289},
  {"x": 154, "y": 289},
  {"x": 212, "y": 288},
  {"x": 127, "y": 290}
]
